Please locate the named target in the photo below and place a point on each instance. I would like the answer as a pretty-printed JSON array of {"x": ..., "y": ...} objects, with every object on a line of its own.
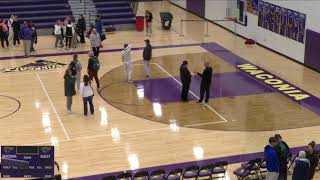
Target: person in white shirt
[
  {"x": 126, "y": 59},
  {"x": 10, "y": 21},
  {"x": 58, "y": 33},
  {"x": 86, "y": 92}
]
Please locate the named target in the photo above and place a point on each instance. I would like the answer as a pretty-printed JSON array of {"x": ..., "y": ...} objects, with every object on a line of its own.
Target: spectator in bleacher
[
  {"x": 99, "y": 24},
  {"x": 69, "y": 34},
  {"x": 26, "y": 35},
  {"x": 58, "y": 33},
  {"x": 283, "y": 151},
  {"x": 9, "y": 23},
  {"x": 313, "y": 157},
  {"x": 301, "y": 167},
  {"x": 74, "y": 35},
  {"x": 148, "y": 19},
  {"x": 271, "y": 159},
  {"x": 34, "y": 39},
  {"x": 4, "y": 32},
  {"x": 16, "y": 31},
  {"x": 95, "y": 42},
  {"x": 81, "y": 28}
]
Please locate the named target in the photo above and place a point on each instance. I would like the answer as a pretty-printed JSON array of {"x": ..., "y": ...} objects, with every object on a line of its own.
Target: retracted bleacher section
[
  {"x": 43, "y": 13},
  {"x": 115, "y": 12}
]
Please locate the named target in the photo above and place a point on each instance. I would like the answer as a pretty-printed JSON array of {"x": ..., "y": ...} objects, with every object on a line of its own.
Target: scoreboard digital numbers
[{"x": 27, "y": 161}]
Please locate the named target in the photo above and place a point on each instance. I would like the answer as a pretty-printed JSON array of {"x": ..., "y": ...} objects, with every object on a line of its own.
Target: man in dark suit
[
  {"x": 205, "y": 82},
  {"x": 185, "y": 76}
]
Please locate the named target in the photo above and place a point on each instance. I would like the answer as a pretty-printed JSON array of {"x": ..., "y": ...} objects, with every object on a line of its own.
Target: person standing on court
[
  {"x": 16, "y": 31},
  {"x": 69, "y": 91},
  {"x": 271, "y": 158},
  {"x": 205, "y": 82},
  {"x": 185, "y": 76},
  {"x": 34, "y": 39},
  {"x": 69, "y": 34},
  {"x": 81, "y": 28},
  {"x": 148, "y": 19},
  {"x": 99, "y": 25},
  {"x": 93, "y": 68},
  {"x": 58, "y": 34},
  {"x": 9, "y": 22},
  {"x": 4, "y": 33},
  {"x": 95, "y": 42},
  {"x": 76, "y": 67},
  {"x": 147, "y": 55},
  {"x": 87, "y": 94},
  {"x": 27, "y": 38},
  {"x": 126, "y": 59}
]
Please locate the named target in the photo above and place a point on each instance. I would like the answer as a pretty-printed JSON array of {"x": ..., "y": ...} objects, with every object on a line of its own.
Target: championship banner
[
  {"x": 39, "y": 65},
  {"x": 280, "y": 20}
]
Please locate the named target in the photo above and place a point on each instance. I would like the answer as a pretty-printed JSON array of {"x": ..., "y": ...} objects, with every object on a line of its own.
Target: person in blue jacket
[
  {"x": 271, "y": 159},
  {"x": 99, "y": 24}
]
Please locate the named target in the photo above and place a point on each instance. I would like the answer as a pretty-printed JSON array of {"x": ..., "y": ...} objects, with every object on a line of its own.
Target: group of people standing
[
  {"x": 206, "y": 76},
  {"x": 277, "y": 154},
  {"x": 70, "y": 30},
  {"x": 72, "y": 79},
  {"x": 11, "y": 32}
]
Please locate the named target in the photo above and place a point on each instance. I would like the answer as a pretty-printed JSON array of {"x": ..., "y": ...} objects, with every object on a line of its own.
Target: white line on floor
[{"x": 54, "y": 109}]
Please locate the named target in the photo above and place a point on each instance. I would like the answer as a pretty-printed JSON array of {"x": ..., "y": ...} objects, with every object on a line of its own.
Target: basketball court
[{"x": 144, "y": 123}]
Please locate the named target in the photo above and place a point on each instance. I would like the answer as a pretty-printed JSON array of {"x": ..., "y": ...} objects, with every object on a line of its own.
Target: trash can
[
  {"x": 140, "y": 23},
  {"x": 166, "y": 20}
]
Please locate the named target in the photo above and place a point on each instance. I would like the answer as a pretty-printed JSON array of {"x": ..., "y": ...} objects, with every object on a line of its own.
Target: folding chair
[
  {"x": 125, "y": 176},
  {"x": 220, "y": 169},
  {"x": 246, "y": 172},
  {"x": 191, "y": 172},
  {"x": 255, "y": 169},
  {"x": 175, "y": 174},
  {"x": 206, "y": 171},
  {"x": 142, "y": 175},
  {"x": 109, "y": 178},
  {"x": 157, "y": 175}
]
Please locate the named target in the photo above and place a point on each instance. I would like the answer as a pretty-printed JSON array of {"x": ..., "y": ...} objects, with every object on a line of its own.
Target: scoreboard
[{"x": 27, "y": 161}]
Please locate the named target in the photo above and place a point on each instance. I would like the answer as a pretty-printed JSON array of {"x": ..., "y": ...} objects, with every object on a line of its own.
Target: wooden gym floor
[{"x": 33, "y": 106}]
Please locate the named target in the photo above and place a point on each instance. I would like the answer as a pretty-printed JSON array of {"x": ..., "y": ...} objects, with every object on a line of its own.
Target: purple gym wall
[
  {"x": 197, "y": 7},
  {"x": 312, "y": 50}
]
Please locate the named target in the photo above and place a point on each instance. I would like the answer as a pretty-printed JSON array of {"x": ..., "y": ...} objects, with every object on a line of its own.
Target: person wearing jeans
[
  {"x": 58, "y": 33},
  {"x": 95, "y": 42},
  {"x": 147, "y": 55},
  {"x": 69, "y": 89},
  {"x": 271, "y": 159},
  {"x": 87, "y": 94}
]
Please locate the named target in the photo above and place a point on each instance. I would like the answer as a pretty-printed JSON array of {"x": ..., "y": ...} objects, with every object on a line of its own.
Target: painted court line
[
  {"x": 190, "y": 92},
  {"x": 54, "y": 109}
]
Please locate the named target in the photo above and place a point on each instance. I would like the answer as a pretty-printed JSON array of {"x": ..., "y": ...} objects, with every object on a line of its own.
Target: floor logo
[{"x": 38, "y": 65}]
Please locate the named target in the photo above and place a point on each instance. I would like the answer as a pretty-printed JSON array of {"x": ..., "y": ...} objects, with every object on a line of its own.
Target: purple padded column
[
  {"x": 312, "y": 50},
  {"x": 197, "y": 7}
]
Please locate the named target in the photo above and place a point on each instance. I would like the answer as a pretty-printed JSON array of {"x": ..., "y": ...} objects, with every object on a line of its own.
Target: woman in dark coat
[
  {"x": 313, "y": 157},
  {"x": 81, "y": 28},
  {"x": 69, "y": 88}
]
